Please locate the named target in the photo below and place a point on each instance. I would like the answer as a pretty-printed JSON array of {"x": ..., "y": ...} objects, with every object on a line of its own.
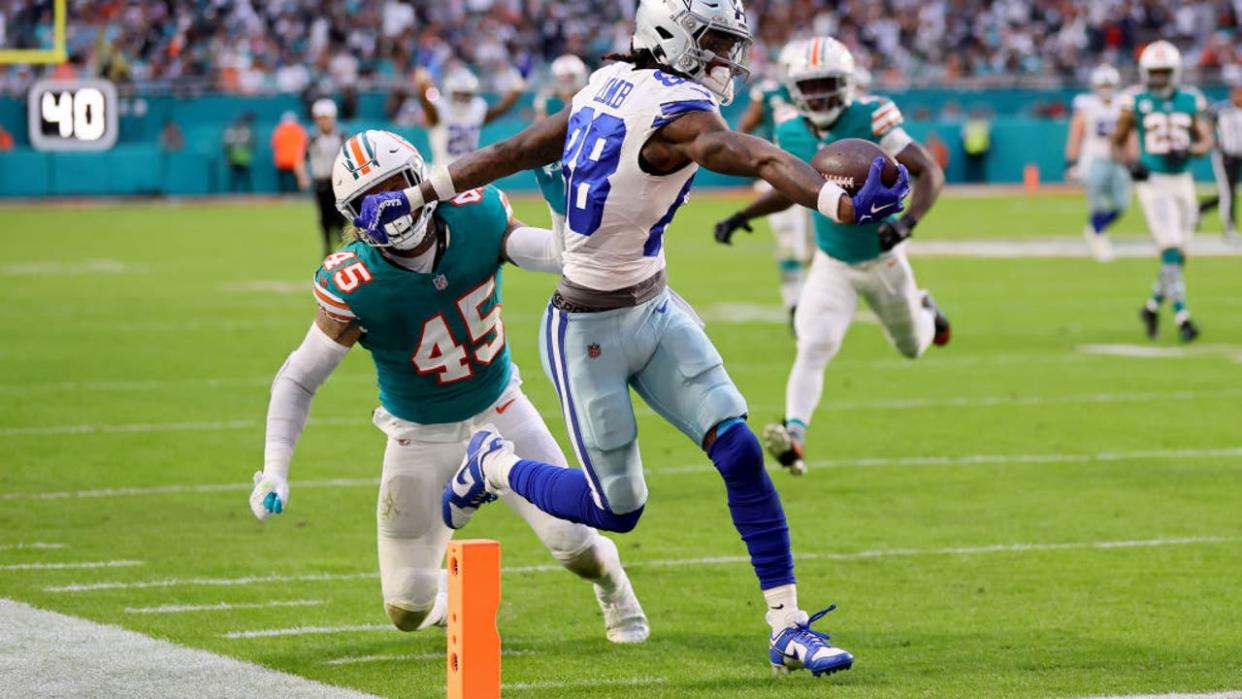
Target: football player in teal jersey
[
  {"x": 1167, "y": 120},
  {"x": 569, "y": 74},
  {"x": 422, "y": 296},
  {"x": 867, "y": 260},
  {"x": 770, "y": 105}
]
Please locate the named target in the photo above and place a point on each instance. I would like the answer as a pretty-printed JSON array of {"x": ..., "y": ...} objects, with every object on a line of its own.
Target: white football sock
[
  {"x": 496, "y": 467},
  {"x": 782, "y": 606}
]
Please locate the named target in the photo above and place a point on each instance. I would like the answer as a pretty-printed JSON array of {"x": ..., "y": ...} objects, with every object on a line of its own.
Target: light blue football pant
[
  {"x": 661, "y": 351},
  {"x": 1108, "y": 186}
]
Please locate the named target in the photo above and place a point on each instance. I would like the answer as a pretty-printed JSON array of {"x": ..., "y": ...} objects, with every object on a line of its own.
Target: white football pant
[
  {"x": 1170, "y": 207},
  {"x": 826, "y": 309},
  {"x": 791, "y": 231}
]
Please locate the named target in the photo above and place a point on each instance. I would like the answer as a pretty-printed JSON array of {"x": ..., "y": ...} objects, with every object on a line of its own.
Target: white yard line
[
  {"x": 30, "y": 545},
  {"x": 306, "y": 631},
  {"x": 1200, "y": 246},
  {"x": 1227, "y": 694},
  {"x": 221, "y": 606},
  {"x": 406, "y": 657},
  {"x": 146, "y": 427},
  {"x": 585, "y": 683},
  {"x": 45, "y": 654},
  {"x": 174, "y": 489},
  {"x": 671, "y": 563},
  {"x": 71, "y": 565}
]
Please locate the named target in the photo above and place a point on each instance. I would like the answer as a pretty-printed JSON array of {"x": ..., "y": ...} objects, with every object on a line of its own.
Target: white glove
[{"x": 270, "y": 495}]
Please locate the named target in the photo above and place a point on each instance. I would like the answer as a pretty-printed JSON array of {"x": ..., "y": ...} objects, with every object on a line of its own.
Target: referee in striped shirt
[
  {"x": 1227, "y": 161},
  {"x": 324, "y": 144}
]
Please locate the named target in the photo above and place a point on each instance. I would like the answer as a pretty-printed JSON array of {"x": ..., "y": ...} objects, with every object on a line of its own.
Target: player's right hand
[
  {"x": 270, "y": 495},
  {"x": 725, "y": 229},
  {"x": 1138, "y": 171},
  {"x": 876, "y": 201}
]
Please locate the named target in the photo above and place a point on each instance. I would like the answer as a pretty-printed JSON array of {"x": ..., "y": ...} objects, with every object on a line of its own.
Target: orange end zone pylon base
[{"x": 473, "y": 602}]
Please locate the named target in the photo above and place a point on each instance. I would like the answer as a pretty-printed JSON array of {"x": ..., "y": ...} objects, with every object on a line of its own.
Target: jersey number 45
[{"x": 441, "y": 354}]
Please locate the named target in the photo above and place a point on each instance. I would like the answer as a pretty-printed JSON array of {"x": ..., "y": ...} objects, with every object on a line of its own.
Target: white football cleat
[
  {"x": 784, "y": 448},
  {"x": 1101, "y": 247},
  {"x": 624, "y": 620}
]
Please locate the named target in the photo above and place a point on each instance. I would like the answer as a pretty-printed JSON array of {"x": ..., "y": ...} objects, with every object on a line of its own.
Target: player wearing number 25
[{"x": 422, "y": 295}]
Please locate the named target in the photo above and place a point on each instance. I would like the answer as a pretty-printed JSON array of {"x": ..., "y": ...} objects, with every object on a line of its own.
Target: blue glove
[
  {"x": 378, "y": 210},
  {"x": 876, "y": 201}
]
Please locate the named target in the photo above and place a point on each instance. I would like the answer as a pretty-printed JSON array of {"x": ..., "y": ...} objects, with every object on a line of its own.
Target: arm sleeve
[
  {"x": 533, "y": 249},
  {"x": 295, "y": 384}
]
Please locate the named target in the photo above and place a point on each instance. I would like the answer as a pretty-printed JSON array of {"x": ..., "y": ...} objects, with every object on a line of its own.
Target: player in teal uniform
[
  {"x": 771, "y": 105},
  {"x": 569, "y": 74},
  {"x": 868, "y": 259},
  {"x": 422, "y": 296},
  {"x": 1167, "y": 120}
]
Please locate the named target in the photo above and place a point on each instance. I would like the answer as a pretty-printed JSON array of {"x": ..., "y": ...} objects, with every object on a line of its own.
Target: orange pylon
[{"x": 473, "y": 601}]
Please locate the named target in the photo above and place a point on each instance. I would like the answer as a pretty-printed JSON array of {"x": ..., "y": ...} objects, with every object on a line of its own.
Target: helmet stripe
[
  {"x": 366, "y": 143},
  {"x": 364, "y": 168},
  {"x": 815, "y": 51}
]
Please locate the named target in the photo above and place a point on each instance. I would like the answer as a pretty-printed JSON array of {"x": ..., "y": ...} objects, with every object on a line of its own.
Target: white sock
[
  {"x": 496, "y": 468},
  {"x": 782, "y": 606}
]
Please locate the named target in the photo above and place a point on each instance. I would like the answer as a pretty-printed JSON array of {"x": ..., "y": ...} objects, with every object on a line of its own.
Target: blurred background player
[
  {"x": 289, "y": 154},
  {"x": 422, "y": 295},
  {"x": 456, "y": 116},
  {"x": 1166, "y": 119},
  {"x": 1089, "y": 158},
  {"x": 867, "y": 259},
  {"x": 1226, "y": 118},
  {"x": 569, "y": 75},
  {"x": 770, "y": 105},
  {"x": 325, "y": 144}
]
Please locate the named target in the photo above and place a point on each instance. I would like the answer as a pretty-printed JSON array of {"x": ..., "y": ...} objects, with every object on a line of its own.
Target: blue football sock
[
  {"x": 754, "y": 503},
  {"x": 1101, "y": 220},
  {"x": 565, "y": 493}
]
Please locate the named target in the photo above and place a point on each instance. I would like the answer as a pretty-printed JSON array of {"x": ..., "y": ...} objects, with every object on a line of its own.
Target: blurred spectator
[
  {"x": 977, "y": 143},
  {"x": 171, "y": 138},
  {"x": 289, "y": 154},
  {"x": 239, "y": 152}
]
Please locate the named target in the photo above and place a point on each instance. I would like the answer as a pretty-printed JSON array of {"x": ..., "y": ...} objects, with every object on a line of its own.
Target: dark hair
[{"x": 644, "y": 59}]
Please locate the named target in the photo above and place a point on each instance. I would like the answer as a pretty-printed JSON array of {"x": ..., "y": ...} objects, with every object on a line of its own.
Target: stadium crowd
[{"x": 247, "y": 46}]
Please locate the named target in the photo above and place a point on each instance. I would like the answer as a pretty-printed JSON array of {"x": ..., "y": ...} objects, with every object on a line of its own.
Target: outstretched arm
[{"x": 505, "y": 104}]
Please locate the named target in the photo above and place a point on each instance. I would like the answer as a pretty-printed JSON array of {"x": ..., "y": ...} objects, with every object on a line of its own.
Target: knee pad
[{"x": 407, "y": 619}]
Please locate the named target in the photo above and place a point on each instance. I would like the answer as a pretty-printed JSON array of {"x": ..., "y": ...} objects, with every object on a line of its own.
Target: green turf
[{"x": 207, "y": 301}]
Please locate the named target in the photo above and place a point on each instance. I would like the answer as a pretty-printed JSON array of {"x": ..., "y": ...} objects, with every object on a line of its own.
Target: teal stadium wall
[{"x": 136, "y": 166}]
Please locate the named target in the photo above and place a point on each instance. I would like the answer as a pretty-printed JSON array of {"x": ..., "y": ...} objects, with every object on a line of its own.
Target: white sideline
[
  {"x": 676, "y": 563},
  {"x": 30, "y": 545},
  {"x": 45, "y": 654},
  {"x": 1200, "y": 246},
  {"x": 173, "y": 489},
  {"x": 306, "y": 631},
  {"x": 1227, "y": 694},
  {"x": 404, "y": 657},
  {"x": 586, "y": 684},
  {"x": 70, "y": 566},
  {"x": 221, "y": 606},
  {"x": 884, "y": 404}
]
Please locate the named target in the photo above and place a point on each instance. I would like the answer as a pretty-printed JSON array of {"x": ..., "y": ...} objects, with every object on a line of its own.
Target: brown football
[{"x": 847, "y": 162}]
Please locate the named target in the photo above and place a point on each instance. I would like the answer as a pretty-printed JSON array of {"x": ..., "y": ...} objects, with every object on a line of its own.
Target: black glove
[
  {"x": 1177, "y": 156},
  {"x": 1139, "y": 171},
  {"x": 1069, "y": 167},
  {"x": 895, "y": 230},
  {"x": 726, "y": 228}
]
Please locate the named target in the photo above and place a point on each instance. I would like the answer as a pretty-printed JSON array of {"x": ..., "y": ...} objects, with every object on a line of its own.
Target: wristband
[
  {"x": 829, "y": 202},
  {"x": 442, "y": 182}
]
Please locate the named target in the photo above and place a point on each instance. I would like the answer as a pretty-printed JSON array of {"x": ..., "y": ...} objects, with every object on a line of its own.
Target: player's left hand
[
  {"x": 725, "y": 229},
  {"x": 379, "y": 210},
  {"x": 894, "y": 231},
  {"x": 876, "y": 200},
  {"x": 1177, "y": 156},
  {"x": 270, "y": 495}
]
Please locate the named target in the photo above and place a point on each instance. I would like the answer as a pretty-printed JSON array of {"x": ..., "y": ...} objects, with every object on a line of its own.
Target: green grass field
[{"x": 1014, "y": 515}]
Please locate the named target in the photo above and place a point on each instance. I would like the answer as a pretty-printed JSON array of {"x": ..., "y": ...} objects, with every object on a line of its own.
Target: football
[{"x": 846, "y": 162}]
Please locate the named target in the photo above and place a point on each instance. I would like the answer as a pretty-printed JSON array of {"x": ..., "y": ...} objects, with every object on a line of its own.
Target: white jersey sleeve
[
  {"x": 459, "y": 129},
  {"x": 617, "y": 211},
  {"x": 1099, "y": 121}
]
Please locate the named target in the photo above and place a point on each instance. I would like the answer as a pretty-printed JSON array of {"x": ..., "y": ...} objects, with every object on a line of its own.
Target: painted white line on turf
[
  {"x": 1200, "y": 246},
  {"x": 672, "y": 563},
  {"x": 1227, "y": 694},
  {"x": 306, "y": 631},
  {"x": 174, "y": 489},
  {"x": 585, "y": 684},
  {"x": 406, "y": 657},
  {"x": 30, "y": 545},
  {"x": 975, "y": 459},
  {"x": 210, "y": 582},
  {"x": 29, "y": 269},
  {"x": 71, "y": 565},
  {"x": 221, "y": 606},
  {"x": 52, "y": 655},
  {"x": 145, "y": 427},
  {"x": 1233, "y": 352},
  {"x": 156, "y": 384}
]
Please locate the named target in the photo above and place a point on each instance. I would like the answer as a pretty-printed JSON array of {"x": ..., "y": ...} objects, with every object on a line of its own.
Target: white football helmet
[
  {"x": 706, "y": 40},
  {"x": 1105, "y": 80},
  {"x": 786, "y": 58},
  {"x": 820, "y": 80},
  {"x": 377, "y": 161},
  {"x": 569, "y": 73},
  {"x": 1160, "y": 67},
  {"x": 461, "y": 85}
]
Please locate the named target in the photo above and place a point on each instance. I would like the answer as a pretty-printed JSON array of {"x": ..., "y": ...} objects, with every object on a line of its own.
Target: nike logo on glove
[{"x": 875, "y": 210}]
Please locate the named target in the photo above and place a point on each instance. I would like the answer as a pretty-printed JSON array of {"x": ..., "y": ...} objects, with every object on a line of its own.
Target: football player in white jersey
[
  {"x": 457, "y": 115},
  {"x": 1089, "y": 158},
  {"x": 630, "y": 144}
]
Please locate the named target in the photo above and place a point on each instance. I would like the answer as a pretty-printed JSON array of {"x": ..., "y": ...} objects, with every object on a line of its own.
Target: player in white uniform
[
  {"x": 1089, "y": 158},
  {"x": 630, "y": 145},
  {"x": 457, "y": 115},
  {"x": 427, "y": 261}
]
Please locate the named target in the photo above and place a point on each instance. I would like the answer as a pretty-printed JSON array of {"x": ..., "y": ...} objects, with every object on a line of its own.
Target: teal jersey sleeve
[
  {"x": 437, "y": 339},
  {"x": 551, "y": 181}
]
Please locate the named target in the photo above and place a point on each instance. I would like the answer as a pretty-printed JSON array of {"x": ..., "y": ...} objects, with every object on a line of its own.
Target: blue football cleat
[
  {"x": 467, "y": 491},
  {"x": 800, "y": 647}
]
